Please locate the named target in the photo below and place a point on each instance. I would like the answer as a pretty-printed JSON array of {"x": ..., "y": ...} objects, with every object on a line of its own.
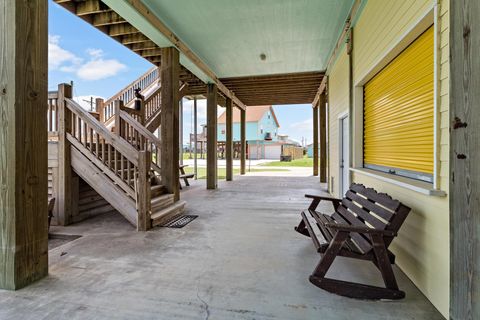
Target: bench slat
[
  {"x": 344, "y": 216},
  {"x": 365, "y": 215},
  {"x": 323, "y": 218},
  {"x": 313, "y": 236},
  {"x": 381, "y": 198},
  {"x": 370, "y": 206}
]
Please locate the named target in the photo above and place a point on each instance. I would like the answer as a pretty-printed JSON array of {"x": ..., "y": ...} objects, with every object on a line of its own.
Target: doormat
[
  {"x": 57, "y": 240},
  {"x": 180, "y": 222}
]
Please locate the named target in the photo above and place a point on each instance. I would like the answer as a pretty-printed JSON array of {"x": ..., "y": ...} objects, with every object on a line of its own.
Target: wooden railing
[
  {"x": 117, "y": 158},
  {"x": 52, "y": 115},
  {"x": 152, "y": 104},
  {"x": 128, "y": 93},
  {"x": 132, "y": 130}
]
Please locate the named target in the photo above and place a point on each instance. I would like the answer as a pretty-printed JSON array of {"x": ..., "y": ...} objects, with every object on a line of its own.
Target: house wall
[
  {"x": 253, "y": 129},
  {"x": 384, "y": 28}
]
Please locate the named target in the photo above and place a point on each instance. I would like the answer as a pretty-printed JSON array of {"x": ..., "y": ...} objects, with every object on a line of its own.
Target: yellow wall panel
[{"x": 422, "y": 247}]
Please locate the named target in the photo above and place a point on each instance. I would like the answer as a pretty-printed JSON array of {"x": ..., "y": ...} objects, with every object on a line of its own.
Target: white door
[
  {"x": 272, "y": 152},
  {"x": 345, "y": 156}
]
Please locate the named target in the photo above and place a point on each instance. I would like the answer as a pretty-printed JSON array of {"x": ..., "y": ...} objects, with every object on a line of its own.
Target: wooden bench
[
  {"x": 184, "y": 176},
  {"x": 362, "y": 227}
]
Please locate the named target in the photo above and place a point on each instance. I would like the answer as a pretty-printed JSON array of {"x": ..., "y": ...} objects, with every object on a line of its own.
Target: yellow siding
[
  {"x": 337, "y": 104},
  {"x": 422, "y": 247}
]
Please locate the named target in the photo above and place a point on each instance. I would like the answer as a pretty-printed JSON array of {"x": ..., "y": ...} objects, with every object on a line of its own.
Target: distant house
[
  {"x": 310, "y": 150},
  {"x": 261, "y": 132}
]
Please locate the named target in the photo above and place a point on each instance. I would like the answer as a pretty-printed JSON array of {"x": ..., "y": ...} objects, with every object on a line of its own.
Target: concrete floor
[{"x": 240, "y": 259}]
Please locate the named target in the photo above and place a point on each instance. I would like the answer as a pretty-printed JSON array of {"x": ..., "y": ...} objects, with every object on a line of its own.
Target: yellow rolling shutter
[{"x": 398, "y": 113}]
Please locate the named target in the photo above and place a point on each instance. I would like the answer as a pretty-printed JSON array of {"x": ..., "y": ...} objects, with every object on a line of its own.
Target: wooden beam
[
  {"x": 107, "y": 18},
  {"x": 229, "y": 139},
  {"x": 23, "y": 142},
  {"x": 322, "y": 106},
  {"x": 339, "y": 45},
  {"x": 243, "y": 140},
  {"x": 464, "y": 159},
  {"x": 139, "y": 46},
  {"x": 211, "y": 136},
  {"x": 315, "y": 140},
  {"x": 90, "y": 7},
  {"x": 121, "y": 29},
  {"x": 169, "y": 127},
  {"x": 183, "y": 48},
  {"x": 133, "y": 38}
]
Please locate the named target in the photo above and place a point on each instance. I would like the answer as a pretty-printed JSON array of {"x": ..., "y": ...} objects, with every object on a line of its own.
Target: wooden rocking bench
[{"x": 362, "y": 227}]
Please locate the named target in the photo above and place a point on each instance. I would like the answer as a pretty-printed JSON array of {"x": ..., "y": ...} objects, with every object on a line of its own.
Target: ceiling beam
[
  {"x": 183, "y": 48},
  {"x": 341, "y": 40},
  {"x": 107, "y": 18}
]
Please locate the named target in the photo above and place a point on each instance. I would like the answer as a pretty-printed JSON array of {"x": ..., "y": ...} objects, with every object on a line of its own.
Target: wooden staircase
[{"x": 121, "y": 166}]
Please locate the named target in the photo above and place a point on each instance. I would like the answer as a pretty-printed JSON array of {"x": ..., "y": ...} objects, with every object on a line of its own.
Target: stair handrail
[
  {"x": 141, "y": 139},
  {"x": 127, "y": 150},
  {"x": 127, "y": 94}
]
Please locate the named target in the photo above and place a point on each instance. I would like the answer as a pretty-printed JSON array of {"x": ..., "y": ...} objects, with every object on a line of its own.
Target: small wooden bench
[
  {"x": 184, "y": 175},
  {"x": 362, "y": 227}
]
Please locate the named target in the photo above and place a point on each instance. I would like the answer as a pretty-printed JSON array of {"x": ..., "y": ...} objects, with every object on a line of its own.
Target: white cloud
[
  {"x": 95, "y": 68},
  {"x": 306, "y": 125},
  {"x": 57, "y": 56},
  {"x": 95, "y": 53},
  {"x": 99, "y": 68}
]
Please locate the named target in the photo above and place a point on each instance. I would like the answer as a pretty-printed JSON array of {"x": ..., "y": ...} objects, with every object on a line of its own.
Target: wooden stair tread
[{"x": 161, "y": 216}]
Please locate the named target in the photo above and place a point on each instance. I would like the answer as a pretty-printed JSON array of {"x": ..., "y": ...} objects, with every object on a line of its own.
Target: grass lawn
[
  {"x": 304, "y": 162},
  {"x": 202, "y": 172}
]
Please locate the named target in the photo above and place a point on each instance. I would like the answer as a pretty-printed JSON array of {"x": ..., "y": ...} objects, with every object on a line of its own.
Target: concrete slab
[{"x": 240, "y": 259}]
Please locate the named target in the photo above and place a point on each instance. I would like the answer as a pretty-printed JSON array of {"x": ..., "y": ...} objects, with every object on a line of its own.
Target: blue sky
[{"x": 99, "y": 66}]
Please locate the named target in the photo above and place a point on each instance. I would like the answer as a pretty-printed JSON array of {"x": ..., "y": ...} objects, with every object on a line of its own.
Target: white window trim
[{"x": 430, "y": 17}]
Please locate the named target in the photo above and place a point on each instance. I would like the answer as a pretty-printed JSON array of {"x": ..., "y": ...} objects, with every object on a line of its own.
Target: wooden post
[
  {"x": 315, "y": 140},
  {"x": 23, "y": 142},
  {"x": 169, "y": 125},
  {"x": 180, "y": 131},
  {"x": 143, "y": 191},
  {"x": 118, "y": 105},
  {"x": 229, "y": 139},
  {"x": 99, "y": 107},
  {"x": 464, "y": 160},
  {"x": 65, "y": 194},
  {"x": 243, "y": 140},
  {"x": 195, "y": 168},
  {"x": 322, "y": 105},
  {"x": 211, "y": 136}
]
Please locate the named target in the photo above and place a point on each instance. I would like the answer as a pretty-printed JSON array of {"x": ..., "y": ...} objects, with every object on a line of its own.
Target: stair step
[
  {"x": 157, "y": 190},
  {"x": 162, "y": 201},
  {"x": 164, "y": 215}
]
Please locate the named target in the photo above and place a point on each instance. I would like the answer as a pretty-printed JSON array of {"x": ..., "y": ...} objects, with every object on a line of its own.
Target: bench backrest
[{"x": 376, "y": 210}]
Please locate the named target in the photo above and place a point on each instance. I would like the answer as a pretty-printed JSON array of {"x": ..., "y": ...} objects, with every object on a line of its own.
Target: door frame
[{"x": 341, "y": 117}]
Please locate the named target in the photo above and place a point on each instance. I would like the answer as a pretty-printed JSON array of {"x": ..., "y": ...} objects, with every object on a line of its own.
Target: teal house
[{"x": 261, "y": 131}]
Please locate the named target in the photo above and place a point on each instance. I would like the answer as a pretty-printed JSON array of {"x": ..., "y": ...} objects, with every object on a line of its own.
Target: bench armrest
[
  {"x": 311, "y": 196},
  {"x": 364, "y": 230}
]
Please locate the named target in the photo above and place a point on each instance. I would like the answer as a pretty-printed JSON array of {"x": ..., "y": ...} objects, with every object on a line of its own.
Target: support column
[
  {"x": 464, "y": 159},
  {"x": 23, "y": 142},
  {"x": 195, "y": 150},
  {"x": 229, "y": 139},
  {"x": 169, "y": 125},
  {"x": 243, "y": 140},
  {"x": 322, "y": 105},
  {"x": 180, "y": 133},
  {"x": 211, "y": 136},
  {"x": 315, "y": 140},
  {"x": 66, "y": 192}
]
